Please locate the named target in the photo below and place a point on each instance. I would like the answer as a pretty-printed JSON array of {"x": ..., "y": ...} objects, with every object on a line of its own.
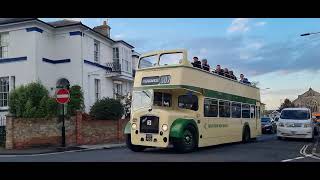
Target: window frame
[
  {"x": 97, "y": 89},
  {"x": 4, "y": 45},
  {"x": 187, "y": 108},
  {"x": 96, "y": 51},
  {"x": 222, "y": 100},
  {"x": 208, "y": 98},
  {"x": 254, "y": 111},
  {"x": 236, "y": 102},
  {"x": 4, "y": 92},
  {"x": 162, "y": 99},
  {"x": 242, "y": 111}
]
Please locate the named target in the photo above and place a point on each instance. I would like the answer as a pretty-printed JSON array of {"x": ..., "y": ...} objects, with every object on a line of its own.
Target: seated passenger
[
  {"x": 232, "y": 76},
  {"x": 243, "y": 79},
  {"x": 196, "y": 63},
  {"x": 219, "y": 70},
  {"x": 226, "y": 73},
  {"x": 205, "y": 65}
]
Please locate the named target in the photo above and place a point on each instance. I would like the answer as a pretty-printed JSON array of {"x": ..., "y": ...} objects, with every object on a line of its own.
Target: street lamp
[{"x": 307, "y": 34}]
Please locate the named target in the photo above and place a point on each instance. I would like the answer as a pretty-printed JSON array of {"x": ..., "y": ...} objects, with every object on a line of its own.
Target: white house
[{"x": 62, "y": 52}]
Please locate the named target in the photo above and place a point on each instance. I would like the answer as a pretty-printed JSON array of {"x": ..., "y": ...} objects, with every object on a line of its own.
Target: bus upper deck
[{"x": 171, "y": 69}]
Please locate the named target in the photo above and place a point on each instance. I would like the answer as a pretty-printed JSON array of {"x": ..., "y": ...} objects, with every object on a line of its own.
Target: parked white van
[{"x": 296, "y": 123}]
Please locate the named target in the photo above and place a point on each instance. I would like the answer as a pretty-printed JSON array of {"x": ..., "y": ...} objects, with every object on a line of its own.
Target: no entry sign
[{"x": 63, "y": 96}]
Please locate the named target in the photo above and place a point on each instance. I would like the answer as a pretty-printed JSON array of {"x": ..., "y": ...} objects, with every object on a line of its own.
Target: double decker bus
[{"x": 176, "y": 104}]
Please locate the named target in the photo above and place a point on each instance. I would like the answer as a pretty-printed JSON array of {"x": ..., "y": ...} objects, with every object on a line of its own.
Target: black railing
[{"x": 115, "y": 66}]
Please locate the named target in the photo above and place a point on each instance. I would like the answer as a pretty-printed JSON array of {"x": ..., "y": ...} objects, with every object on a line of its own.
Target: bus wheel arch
[
  {"x": 246, "y": 133},
  {"x": 182, "y": 128}
]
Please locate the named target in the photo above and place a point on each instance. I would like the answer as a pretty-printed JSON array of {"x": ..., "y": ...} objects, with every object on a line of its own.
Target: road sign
[{"x": 63, "y": 96}]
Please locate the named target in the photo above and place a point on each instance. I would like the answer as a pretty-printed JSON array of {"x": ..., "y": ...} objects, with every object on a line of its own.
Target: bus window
[
  {"x": 258, "y": 112},
  {"x": 149, "y": 61},
  {"x": 252, "y": 111},
  {"x": 162, "y": 99},
  {"x": 188, "y": 102},
  {"x": 210, "y": 108},
  {"x": 236, "y": 110},
  {"x": 245, "y": 111},
  {"x": 224, "y": 109},
  {"x": 170, "y": 59}
]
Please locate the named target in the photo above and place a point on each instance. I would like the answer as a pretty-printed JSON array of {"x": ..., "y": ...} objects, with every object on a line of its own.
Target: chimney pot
[{"x": 104, "y": 23}]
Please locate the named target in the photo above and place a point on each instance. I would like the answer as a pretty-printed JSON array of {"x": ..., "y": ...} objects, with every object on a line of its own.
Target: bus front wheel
[
  {"x": 132, "y": 147},
  {"x": 188, "y": 142}
]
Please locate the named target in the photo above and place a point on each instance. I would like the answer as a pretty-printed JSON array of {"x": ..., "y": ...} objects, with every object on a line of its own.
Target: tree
[{"x": 286, "y": 104}]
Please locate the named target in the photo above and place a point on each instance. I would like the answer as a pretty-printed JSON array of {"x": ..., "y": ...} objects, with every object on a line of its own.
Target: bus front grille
[{"x": 149, "y": 124}]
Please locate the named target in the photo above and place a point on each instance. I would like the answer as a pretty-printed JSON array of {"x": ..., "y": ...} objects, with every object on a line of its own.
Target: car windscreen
[
  {"x": 295, "y": 114},
  {"x": 265, "y": 119}
]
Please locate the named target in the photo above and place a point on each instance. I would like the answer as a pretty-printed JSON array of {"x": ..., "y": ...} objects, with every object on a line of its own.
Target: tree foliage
[{"x": 286, "y": 104}]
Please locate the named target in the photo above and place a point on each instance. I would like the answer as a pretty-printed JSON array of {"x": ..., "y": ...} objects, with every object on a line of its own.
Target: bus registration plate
[{"x": 148, "y": 137}]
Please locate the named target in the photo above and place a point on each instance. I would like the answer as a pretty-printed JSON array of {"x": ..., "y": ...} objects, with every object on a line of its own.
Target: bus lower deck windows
[{"x": 165, "y": 139}]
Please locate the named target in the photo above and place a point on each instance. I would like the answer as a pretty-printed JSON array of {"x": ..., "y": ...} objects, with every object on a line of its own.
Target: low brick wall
[
  {"x": 80, "y": 130},
  {"x": 101, "y": 131},
  {"x": 23, "y": 133}
]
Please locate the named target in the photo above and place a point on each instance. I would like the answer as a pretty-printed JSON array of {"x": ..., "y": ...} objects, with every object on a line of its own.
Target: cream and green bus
[{"x": 176, "y": 104}]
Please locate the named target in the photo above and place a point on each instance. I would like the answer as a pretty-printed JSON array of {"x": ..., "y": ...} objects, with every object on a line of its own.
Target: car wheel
[
  {"x": 132, "y": 147},
  {"x": 188, "y": 142}
]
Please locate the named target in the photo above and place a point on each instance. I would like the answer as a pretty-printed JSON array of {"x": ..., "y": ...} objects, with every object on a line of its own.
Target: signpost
[{"x": 63, "y": 97}]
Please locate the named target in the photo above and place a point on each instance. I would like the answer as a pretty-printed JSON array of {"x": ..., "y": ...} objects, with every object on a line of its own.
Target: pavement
[
  {"x": 266, "y": 148},
  {"x": 48, "y": 150}
]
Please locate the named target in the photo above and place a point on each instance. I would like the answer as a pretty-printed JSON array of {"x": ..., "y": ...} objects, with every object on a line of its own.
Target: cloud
[
  {"x": 119, "y": 36},
  {"x": 239, "y": 25},
  {"x": 262, "y": 23}
]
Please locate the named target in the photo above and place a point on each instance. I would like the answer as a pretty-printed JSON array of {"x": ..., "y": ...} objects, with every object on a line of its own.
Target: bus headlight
[
  {"x": 164, "y": 127},
  {"x": 134, "y": 126}
]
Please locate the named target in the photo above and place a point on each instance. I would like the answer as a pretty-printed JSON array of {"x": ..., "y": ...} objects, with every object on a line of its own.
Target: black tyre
[
  {"x": 280, "y": 138},
  {"x": 188, "y": 142},
  {"x": 132, "y": 147},
  {"x": 246, "y": 135},
  {"x": 316, "y": 133}
]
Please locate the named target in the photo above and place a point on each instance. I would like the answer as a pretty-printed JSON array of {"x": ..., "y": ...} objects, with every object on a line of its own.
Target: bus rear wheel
[
  {"x": 246, "y": 135},
  {"x": 132, "y": 147},
  {"x": 188, "y": 142}
]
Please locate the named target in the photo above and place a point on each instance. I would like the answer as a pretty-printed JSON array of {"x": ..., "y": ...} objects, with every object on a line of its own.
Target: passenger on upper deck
[
  {"x": 219, "y": 70},
  {"x": 205, "y": 65},
  {"x": 196, "y": 63},
  {"x": 226, "y": 73},
  {"x": 243, "y": 79},
  {"x": 232, "y": 76}
]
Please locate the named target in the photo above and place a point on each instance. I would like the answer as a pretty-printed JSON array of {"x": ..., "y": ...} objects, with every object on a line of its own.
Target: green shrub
[
  {"x": 32, "y": 101},
  {"x": 107, "y": 109},
  {"x": 76, "y": 100}
]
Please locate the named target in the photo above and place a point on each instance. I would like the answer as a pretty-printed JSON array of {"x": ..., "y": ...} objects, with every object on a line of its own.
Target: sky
[{"x": 266, "y": 50}]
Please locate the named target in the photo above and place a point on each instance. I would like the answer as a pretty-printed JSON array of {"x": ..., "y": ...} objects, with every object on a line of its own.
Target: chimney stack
[{"x": 103, "y": 29}]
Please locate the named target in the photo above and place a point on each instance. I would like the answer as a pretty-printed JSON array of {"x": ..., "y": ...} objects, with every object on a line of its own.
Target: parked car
[
  {"x": 268, "y": 126},
  {"x": 296, "y": 123}
]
